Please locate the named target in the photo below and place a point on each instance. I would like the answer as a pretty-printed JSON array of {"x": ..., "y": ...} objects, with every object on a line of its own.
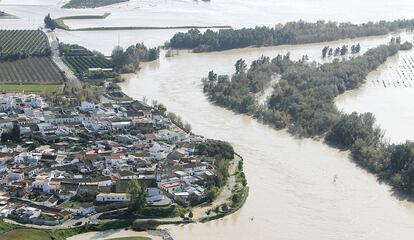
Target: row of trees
[
  {"x": 290, "y": 33},
  {"x": 303, "y": 101},
  {"x": 340, "y": 51},
  {"x": 128, "y": 60}
]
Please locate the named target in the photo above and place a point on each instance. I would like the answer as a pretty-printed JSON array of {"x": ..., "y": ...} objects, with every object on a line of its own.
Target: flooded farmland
[{"x": 292, "y": 193}]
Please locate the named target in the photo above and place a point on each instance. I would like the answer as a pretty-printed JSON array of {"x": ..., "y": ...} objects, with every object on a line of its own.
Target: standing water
[{"x": 299, "y": 188}]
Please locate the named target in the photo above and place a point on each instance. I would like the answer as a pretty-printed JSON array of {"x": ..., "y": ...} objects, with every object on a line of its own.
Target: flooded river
[{"x": 292, "y": 192}]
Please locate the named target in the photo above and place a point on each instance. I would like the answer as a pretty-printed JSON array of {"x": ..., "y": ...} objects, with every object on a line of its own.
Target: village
[{"x": 59, "y": 164}]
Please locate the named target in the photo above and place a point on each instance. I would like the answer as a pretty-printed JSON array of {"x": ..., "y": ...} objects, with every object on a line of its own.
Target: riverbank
[{"x": 145, "y": 227}]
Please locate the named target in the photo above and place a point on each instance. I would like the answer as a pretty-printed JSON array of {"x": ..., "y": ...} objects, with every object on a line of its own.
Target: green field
[
  {"x": 25, "y": 234},
  {"x": 33, "y": 70},
  {"x": 80, "y": 64},
  {"x": 91, "y": 3},
  {"x": 39, "y": 89},
  {"x": 60, "y": 22},
  {"x": 17, "y": 44},
  {"x": 105, "y": 15}
]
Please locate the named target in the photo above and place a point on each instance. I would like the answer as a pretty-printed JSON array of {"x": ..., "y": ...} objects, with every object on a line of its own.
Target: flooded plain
[
  {"x": 277, "y": 165},
  {"x": 292, "y": 192}
]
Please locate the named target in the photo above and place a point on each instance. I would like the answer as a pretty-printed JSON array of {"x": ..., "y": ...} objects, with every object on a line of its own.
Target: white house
[
  {"x": 7, "y": 103},
  {"x": 154, "y": 195},
  {"x": 16, "y": 176},
  {"x": 35, "y": 101},
  {"x": 121, "y": 125},
  {"x": 26, "y": 157},
  {"x": 87, "y": 107},
  {"x": 112, "y": 197},
  {"x": 46, "y": 186}
]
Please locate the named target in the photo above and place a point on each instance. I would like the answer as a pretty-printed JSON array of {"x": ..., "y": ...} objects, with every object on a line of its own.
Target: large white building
[{"x": 112, "y": 197}]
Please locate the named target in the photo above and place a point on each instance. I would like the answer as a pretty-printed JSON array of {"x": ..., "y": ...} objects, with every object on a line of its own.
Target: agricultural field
[
  {"x": 91, "y": 3},
  {"x": 80, "y": 64},
  {"x": 399, "y": 73},
  {"x": 31, "y": 88},
  {"x": 19, "y": 44},
  {"x": 25, "y": 234},
  {"x": 33, "y": 70}
]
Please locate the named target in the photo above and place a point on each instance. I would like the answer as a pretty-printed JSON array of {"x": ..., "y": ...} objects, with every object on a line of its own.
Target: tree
[
  {"x": 344, "y": 50},
  {"x": 12, "y": 134},
  {"x": 187, "y": 127},
  {"x": 240, "y": 66},
  {"x": 358, "y": 48},
  {"x": 337, "y": 51},
  {"x": 137, "y": 195},
  {"x": 325, "y": 51},
  {"x": 190, "y": 214},
  {"x": 119, "y": 59},
  {"x": 330, "y": 52},
  {"x": 49, "y": 22}
]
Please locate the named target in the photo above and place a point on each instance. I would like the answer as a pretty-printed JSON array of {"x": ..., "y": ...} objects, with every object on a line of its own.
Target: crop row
[
  {"x": 33, "y": 70},
  {"x": 81, "y": 64},
  {"x": 23, "y": 43}
]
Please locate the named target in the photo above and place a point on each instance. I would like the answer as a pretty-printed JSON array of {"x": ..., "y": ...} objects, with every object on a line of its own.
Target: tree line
[
  {"x": 303, "y": 102},
  {"x": 299, "y": 32},
  {"x": 127, "y": 61},
  {"x": 328, "y": 51}
]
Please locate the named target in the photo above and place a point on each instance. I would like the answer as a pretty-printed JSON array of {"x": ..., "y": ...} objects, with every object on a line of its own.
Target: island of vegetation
[
  {"x": 290, "y": 33},
  {"x": 91, "y": 3},
  {"x": 303, "y": 102}
]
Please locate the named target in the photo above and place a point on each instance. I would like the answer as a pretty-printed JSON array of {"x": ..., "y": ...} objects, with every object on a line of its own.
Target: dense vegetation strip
[
  {"x": 91, "y": 3},
  {"x": 290, "y": 33},
  {"x": 19, "y": 44},
  {"x": 303, "y": 102}
]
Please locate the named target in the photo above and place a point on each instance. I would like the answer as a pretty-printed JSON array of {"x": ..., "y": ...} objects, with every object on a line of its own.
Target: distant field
[
  {"x": 81, "y": 64},
  {"x": 25, "y": 234},
  {"x": 91, "y": 3},
  {"x": 105, "y": 15},
  {"x": 17, "y": 44},
  {"x": 33, "y": 70}
]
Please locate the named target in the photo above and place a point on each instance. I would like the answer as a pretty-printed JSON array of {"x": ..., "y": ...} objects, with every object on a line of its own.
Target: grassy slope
[
  {"x": 25, "y": 234},
  {"x": 48, "y": 88}
]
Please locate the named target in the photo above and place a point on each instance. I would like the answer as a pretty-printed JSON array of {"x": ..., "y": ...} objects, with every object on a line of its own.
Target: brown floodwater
[
  {"x": 388, "y": 94},
  {"x": 292, "y": 192}
]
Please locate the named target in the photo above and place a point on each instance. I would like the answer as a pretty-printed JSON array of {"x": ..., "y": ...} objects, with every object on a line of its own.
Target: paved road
[{"x": 54, "y": 44}]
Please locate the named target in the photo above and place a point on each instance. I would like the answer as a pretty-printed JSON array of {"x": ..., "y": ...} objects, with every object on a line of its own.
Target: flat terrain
[
  {"x": 91, "y": 3},
  {"x": 25, "y": 234},
  {"x": 34, "y": 70},
  {"x": 21, "y": 43},
  {"x": 29, "y": 88},
  {"x": 82, "y": 63}
]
